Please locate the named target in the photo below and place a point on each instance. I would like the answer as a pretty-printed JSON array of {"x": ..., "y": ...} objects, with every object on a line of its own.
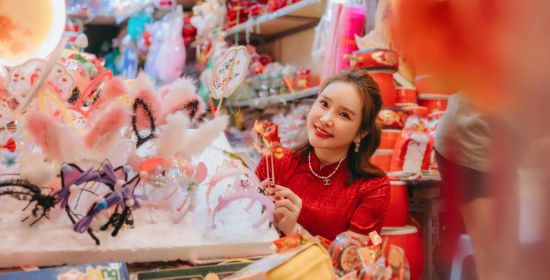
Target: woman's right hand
[{"x": 287, "y": 209}]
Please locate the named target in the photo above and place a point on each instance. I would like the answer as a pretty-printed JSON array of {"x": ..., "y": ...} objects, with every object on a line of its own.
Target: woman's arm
[{"x": 374, "y": 202}]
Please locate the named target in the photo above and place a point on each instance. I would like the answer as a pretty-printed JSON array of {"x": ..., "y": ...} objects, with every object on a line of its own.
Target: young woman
[{"x": 328, "y": 185}]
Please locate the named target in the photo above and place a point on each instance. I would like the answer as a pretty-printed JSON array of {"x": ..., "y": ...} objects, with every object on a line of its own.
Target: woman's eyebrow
[{"x": 325, "y": 97}]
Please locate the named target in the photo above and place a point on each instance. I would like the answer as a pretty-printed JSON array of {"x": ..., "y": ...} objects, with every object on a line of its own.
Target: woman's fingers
[
  {"x": 282, "y": 192},
  {"x": 287, "y": 204},
  {"x": 264, "y": 183},
  {"x": 283, "y": 211}
]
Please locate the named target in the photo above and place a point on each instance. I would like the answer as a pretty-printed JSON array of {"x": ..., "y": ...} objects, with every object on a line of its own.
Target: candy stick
[
  {"x": 272, "y": 167},
  {"x": 219, "y": 106}
]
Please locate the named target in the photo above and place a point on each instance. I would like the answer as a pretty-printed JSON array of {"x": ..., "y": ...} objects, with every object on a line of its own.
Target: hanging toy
[{"x": 171, "y": 56}]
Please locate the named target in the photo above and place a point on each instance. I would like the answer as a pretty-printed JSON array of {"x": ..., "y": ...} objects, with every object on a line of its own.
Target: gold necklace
[{"x": 325, "y": 179}]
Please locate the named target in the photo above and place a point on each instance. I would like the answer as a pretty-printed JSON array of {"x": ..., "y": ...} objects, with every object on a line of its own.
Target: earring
[{"x": 356, "y": 147}]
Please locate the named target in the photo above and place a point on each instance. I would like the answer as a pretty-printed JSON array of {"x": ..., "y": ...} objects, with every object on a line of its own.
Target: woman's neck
[{"x": 329, "y": 156}]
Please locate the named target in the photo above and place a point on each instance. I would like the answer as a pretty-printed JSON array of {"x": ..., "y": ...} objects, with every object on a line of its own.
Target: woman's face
[{"x": 334, "y": 119}]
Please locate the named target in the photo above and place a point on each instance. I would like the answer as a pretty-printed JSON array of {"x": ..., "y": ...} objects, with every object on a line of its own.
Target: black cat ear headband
[
  {"x": 24, "y": 190},
  {"x": 140, "y": 107}
]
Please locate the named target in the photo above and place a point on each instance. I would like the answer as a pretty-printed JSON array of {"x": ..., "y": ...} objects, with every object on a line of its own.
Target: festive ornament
[{"x": 229, "y": 71}]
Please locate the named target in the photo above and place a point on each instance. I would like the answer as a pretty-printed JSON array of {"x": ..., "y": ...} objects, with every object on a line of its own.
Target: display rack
[
  {"x": 273, "y": 100},
  {"x": 283, "y": 22},
  {"x": 420, "y": 176}
]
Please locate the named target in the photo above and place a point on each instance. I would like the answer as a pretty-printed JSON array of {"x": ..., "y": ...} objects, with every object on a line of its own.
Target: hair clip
[
  {"x": 10, "y": 127},
  {"x": 24, "y": 190},
  {"x": 10, "y": 145}
]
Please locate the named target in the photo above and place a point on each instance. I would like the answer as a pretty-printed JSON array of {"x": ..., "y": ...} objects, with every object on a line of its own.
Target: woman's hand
[
  {"x": 265, "y": 185},
  {"x": 287, "y": 209}
]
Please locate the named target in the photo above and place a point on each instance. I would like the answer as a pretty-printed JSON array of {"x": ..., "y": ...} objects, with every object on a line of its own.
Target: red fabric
[{"x": 331, "y": 210}]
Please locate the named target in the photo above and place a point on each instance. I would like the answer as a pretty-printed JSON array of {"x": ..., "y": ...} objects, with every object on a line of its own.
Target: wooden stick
[
  {"x": 272, "y": 167},
  {"x": 267, "y": 170},
  {"x": 219, "y": 106}
]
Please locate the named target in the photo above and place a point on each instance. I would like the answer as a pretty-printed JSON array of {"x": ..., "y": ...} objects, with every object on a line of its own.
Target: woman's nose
[{"x": 326, "y": 119}]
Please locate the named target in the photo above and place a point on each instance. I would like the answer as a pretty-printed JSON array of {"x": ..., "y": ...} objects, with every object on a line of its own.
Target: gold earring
[{"x": 356, "y": 147}]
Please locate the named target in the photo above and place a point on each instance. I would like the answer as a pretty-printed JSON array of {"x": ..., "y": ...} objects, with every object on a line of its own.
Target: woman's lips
[{"x": 321, "y": 133}]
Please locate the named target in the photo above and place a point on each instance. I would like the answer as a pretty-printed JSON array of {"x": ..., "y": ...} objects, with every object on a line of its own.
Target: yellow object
[
  {"x": 59, "y": 105},
  {"x": 310, "y": 261}
]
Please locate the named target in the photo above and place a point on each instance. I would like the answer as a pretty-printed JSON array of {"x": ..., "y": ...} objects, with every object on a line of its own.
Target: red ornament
[{"x": 10, "y": 145}]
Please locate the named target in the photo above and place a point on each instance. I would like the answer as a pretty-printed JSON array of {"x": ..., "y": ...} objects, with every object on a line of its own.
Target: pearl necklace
[{"x": 325, "y": 179}]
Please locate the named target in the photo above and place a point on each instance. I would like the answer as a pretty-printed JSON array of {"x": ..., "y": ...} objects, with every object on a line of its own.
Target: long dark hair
[{"x": 359, "y": 163}]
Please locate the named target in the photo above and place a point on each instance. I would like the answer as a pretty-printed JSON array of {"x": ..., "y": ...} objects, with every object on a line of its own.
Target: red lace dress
[{"x": 331, "y": 210}]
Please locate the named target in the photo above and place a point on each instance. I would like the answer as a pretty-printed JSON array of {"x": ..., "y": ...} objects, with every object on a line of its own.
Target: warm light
[{"x": 29, "y": 28}]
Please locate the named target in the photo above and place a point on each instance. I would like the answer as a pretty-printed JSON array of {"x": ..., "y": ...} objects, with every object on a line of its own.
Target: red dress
[{"x": 331, "y": 210}]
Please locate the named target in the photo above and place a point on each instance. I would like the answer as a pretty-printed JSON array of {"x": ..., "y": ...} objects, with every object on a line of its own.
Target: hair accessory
[
  {"x": 268, "y": 205},
  {"x": 141, "y": 108},
  {"x": 23, "y": 190},
  {"x": 10, "y": 145},
  {"x": 71, "y": 175},
  {"x": 188, "y": 204},
  {"x": 121, "y": 196},
  {"x": 216, "y": 179},
  {"x": 10, "y": 127}
]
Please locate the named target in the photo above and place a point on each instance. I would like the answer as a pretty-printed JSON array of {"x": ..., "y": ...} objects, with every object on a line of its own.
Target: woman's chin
[{"x": 318, "y": 143}]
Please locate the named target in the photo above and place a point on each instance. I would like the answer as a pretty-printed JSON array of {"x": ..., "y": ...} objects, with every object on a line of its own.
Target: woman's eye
[
  {"x": 323, "y": 103},
  {"x": 345, "y": 115}
]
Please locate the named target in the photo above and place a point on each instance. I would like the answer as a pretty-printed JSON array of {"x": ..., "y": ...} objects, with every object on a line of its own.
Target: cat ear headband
[
  {"x": 122, "y": 199},
  {"x": 147, "y": 118},
  {"x": 23, "y": 190},
  {"x": 121, "y": 196},
  {"x": 224, "y": 201}
]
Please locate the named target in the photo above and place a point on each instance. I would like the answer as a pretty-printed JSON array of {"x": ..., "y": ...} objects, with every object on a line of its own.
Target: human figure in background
[{"x": 465, "y": 148}]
